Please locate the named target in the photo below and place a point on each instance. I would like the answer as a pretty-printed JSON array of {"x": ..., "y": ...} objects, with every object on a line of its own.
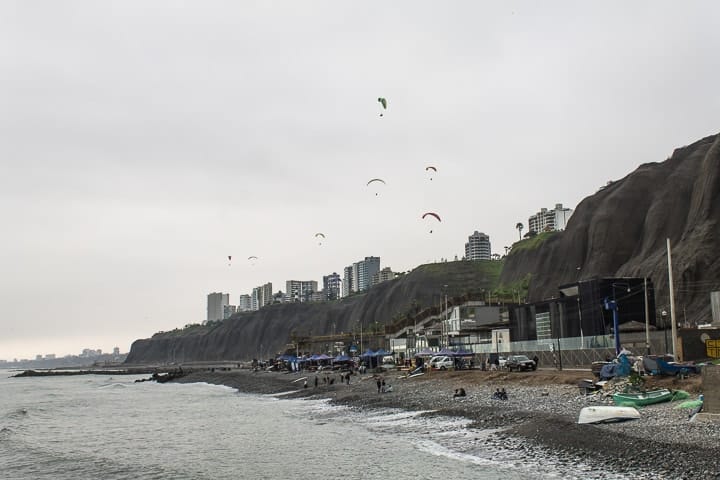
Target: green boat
[{"x": 644, "y": 398}]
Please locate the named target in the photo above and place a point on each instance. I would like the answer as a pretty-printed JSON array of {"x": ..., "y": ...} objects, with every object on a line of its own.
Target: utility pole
[
  {"x": 447, "y": 327},
  {"x": 647, "y": 321},
  {"x": 673, "y": 325}
]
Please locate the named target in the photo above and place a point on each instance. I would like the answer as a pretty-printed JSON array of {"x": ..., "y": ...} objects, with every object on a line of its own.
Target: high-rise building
[
  {"x": 261, "y": 296},
  {"x": 244, "y": 303},
  {"x": 367, "y": 268},
  {"x": 216, "y": 303},
  {"x": 383, "y": 275},
  {"x": 347, "y": 283},
  {"x": 300, "y": 290},
  {"x": 331, "y": 286},
  {"x": 549, "y": 220},
  {"x": 478, "y": 247},
  {"x": 360, "y": 275}
]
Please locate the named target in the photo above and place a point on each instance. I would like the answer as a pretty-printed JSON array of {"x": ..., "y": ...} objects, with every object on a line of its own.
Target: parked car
[
  {"x": 388, "y": 363},
  {"x": 519, "y": 363},
  {"x": 442, "y": 362}
]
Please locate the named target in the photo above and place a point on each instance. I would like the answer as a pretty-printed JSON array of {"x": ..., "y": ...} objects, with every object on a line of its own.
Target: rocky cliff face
[
  {"x": 621, "y": 231},
  {"x": 267, "y": 331}
]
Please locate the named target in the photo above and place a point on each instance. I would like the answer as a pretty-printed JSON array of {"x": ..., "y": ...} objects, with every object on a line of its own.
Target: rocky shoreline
[{"x": 539, "y": 417}]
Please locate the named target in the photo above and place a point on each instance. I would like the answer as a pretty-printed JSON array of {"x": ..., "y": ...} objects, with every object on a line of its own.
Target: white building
[
  {"x": 261, "y": 296},
  {"x": 550, "y": 220},
  {"x": 478, "y": 247},
  {"x": 300, "y": 290},
  {"x": 216, "y": 303}
]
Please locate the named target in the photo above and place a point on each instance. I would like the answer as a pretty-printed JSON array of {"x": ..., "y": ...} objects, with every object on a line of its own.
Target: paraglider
[
  {"x": 376, "y": 180},
  {"x": 383, "y": 103},
  {"x": 320, "y": 235},
  {"x": 229, "y": 260},
  {"x": 431, "y": 168},
  {"x": 432, "y": 214}
]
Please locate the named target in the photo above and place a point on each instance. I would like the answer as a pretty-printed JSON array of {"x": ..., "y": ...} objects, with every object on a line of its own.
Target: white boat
[{"x": 603, "y": 414}]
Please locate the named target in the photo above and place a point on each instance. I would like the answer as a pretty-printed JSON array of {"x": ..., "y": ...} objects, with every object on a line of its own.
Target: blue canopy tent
[{"x": 370, "y": 358}]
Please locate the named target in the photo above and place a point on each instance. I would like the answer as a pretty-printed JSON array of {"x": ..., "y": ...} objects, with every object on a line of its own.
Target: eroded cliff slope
[{"x": 622, "y": 230}]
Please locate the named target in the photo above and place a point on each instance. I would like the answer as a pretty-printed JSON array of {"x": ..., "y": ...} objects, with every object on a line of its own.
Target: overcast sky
[{"x": 142, "y": 142}]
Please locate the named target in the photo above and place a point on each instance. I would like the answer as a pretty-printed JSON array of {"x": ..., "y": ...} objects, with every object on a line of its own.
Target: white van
[
  {"x": 388, "y": 363},
  {"x": 442, "y": 362}
]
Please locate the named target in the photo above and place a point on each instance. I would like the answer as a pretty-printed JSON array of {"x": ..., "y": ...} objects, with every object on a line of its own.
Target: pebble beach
[{"x": 539, "y": 416}]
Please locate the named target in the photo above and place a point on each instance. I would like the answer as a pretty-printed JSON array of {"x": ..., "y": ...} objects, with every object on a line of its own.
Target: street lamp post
[
  {"x": 647, "y": 319},
  {"x": 663, "y": 314},
  {"x": 447, "y": 329},
  {"x": 612, "y": 305}
]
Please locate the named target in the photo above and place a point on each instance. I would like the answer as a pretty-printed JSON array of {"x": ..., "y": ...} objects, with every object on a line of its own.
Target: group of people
[
  {"x": 382, "y": 386},
  {"x": 500, "y": 394}
]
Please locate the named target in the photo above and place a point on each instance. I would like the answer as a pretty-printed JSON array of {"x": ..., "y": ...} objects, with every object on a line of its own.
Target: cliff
[
  {"x": 266, "y": 331},
  {"x": 621, "y": 231}
]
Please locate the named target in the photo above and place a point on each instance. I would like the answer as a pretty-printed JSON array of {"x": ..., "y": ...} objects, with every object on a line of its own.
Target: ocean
[{"x": 109, "y": 427}]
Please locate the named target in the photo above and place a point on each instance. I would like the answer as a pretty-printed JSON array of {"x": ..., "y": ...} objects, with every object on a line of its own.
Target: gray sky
[{"x": 141, "y": 143}]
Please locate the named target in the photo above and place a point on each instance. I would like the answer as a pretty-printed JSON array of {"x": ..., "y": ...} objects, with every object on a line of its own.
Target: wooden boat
[
  {"x": 644, "y": 398},
  {"x": 605, "y": 414}
]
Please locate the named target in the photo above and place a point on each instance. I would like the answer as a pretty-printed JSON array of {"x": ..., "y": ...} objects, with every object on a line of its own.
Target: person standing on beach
[
  {"x": 316, "y": 381},
  {"x": 379, "y": 384}
]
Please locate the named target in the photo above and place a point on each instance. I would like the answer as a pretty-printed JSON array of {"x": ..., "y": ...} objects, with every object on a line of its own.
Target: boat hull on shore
[
  {"x": 642, "y": 399},
  {"x": 606, "y": 414}
]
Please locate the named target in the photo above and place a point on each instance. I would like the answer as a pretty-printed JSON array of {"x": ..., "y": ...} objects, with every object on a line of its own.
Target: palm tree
[{"x": 519, "y": 227}]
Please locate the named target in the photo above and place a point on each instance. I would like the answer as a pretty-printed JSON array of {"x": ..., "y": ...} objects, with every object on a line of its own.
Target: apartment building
[
  {"x": 216, "y": 303},
  {"x": 550, "y": 220},
  {"x": 383, "y": 275},
  {"x": 261, "y": 296},
  {"x": 478, "y": 247},
  {"x": 332, "y": 286},
  {"x": 300, "y": 290}
]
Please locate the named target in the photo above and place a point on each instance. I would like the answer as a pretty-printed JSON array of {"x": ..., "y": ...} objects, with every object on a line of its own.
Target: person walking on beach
[
  {"x": 316, "y": 381},
  {"x": 383, "y": 385},
  {"x": 379, "y": 384}
]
